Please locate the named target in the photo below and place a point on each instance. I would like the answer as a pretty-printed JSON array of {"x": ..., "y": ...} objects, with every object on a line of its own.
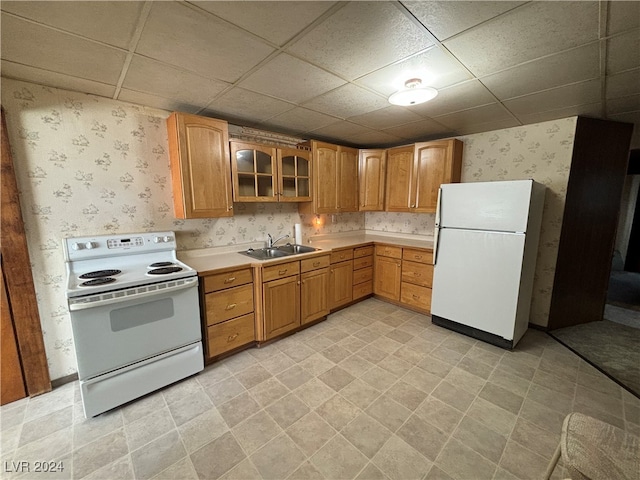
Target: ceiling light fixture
[{"x": 413, "y": 94}]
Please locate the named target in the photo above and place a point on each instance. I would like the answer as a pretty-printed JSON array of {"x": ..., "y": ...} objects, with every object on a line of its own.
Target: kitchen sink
[{"x": 277, "y": 252}]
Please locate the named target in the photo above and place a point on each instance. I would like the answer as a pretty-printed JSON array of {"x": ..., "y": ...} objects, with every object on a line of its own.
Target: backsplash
[{"x": 88, "y": 165}]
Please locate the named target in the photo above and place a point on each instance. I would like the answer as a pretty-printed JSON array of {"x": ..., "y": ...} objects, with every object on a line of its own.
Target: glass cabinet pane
[
  {"x": 303, "y": 167},
  {"x": 246, "y": 185},
  {"x": 289, "y": 187},
  {"x": 263, "y": 162},
  {"x": 303, "y": 187},
  {"x": 265, "y": 186},
  {"x": 289, "y": 165},
  {"x": 244, "y": 160}
]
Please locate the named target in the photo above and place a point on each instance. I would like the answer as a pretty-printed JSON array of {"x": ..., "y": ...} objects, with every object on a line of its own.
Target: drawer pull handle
[
  {"x": 231, "y": 338},
  {"x": 230, "y": 279},
  {"x": 417, "y": 297},
  {"x": 282, "y": 272},
  {"x": 418, "y": 274},
  {"x": 231, "y": 306},
  {"x": 418, "y": 257},
  {"x": 315, "y": 264}
]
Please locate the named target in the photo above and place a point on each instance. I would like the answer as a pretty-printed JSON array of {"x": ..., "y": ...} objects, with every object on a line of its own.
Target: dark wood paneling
[
  {"x": 594, "y": 192},
  {"x": 11, "y": 378},
  {"x": 19, "y": 282}
]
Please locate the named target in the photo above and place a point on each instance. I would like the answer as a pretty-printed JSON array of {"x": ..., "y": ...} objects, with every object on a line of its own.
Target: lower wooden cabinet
[
  {"x": 387, "y": 272},
  {"x": 362, "y": 271},
  {"x": 341, "y": 281},
  {"x": 314, "y": 295},
  {"x": 281, "y": 300},
  {"x": 232, "y": 334}
]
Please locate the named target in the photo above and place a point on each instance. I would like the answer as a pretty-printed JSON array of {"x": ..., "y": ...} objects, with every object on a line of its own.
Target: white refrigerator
[{"x": 484, "y": 255}]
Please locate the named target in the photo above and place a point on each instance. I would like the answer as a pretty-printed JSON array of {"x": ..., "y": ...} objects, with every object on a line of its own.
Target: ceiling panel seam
[{"x": 133, "y": 44}]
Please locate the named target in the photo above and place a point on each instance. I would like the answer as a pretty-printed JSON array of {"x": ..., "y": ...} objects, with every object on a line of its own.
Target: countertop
[{"x": 217, "y": 258}]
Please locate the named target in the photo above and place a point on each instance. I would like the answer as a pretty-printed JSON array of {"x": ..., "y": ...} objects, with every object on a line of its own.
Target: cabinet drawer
[
  {"x": 315, "y": 263},
  {"x": 422, "y": 256},
  {"x": 362, "y": 251},
  {"x": 417, "y": 273},
  {"x": 219, "y": 281},
  {"x": 280, "y": 271},
  {"x": 362, "y": 262},
  {"x": 362, "y": 275},
  {"x": 387, "y": 251},
  {"x": 341, "y": 255},
  {"x": 231, "y": 334},
  {"x": 229, "y": 303},
  {"x": 362, "y": 289},
  {"x": 416, "y": 296}
]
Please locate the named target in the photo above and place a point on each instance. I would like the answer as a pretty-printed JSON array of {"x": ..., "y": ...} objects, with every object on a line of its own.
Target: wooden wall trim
[
  {"x": 19, "y": 281},
  {"x": 594, "y": 193}
]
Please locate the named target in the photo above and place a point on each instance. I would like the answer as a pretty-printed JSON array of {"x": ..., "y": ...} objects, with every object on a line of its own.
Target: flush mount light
[{"x": 413, "y": 94}]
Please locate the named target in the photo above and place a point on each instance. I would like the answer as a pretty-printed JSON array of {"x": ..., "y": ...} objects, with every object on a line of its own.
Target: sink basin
[
  {"x": 277, "y": 252},
  {"x": 293, "y": 249}
]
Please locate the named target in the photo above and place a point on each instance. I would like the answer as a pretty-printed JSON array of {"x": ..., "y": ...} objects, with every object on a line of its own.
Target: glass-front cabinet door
[
  {"x": 294, "y": 176},
  {"x": 253, "y": 167}
]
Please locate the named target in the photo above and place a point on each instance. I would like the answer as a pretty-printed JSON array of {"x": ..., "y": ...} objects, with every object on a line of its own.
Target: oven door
[{"x": 114, "y": 330}]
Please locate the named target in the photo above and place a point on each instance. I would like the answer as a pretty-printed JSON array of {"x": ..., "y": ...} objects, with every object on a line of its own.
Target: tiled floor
[{"x": 374, "y": 392}]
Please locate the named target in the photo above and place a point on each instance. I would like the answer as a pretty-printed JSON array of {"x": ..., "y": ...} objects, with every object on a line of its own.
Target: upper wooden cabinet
[
  {"x": 264, "y": 173},
  {"x": 415, "y": 173},
  {"x": 200, "y": 170},
  {"x": 335, "y": 181},
  {"x": 371, "y": 174}
]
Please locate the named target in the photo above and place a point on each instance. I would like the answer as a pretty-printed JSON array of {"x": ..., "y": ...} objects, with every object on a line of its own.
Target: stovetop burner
[
  {"x": 160, "y": 264},
  {"x": 98, "y": 281},
  {"x": 101, "y": 273},
  {"x": 164, "y": 270}
]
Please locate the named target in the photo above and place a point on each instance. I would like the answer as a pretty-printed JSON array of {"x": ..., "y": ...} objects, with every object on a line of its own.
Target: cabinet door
[
  {"x": 341, "y": 284},
  {"x": 435, "y": 163},
  {"x": 200, "y": 169},
  {"x": 347, "y": 186},
  {"x": 294, "y": 177},
  {"x": 387, "y": 277},
  {"x": 371, "y": 176},
  {"x": 254, "y": 172},
  {"x": 314, "y": 295},
  {"x": 281, "y": 305},
  {"x": 326, "y": 177},
  {"x": 400, "y": 172}
]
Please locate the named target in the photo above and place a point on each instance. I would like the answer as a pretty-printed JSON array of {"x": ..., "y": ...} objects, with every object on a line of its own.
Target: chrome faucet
[{"x": 271, "y": 242}]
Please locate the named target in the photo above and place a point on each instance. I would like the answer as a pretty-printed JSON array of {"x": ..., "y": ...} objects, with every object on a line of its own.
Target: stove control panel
[
  {"x": 127, "y": 242},
  {"x": 85, "y": 248}
]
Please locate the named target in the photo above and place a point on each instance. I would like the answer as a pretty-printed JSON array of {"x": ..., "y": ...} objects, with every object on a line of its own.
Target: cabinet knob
[
  {"x": 231, "y": 338},
  {"x": 315, "y": 264},
  {"x": 282, "y": 272},
  {"x": 231, "y": 306},
  {"x": 230, "y": 279},
  {"x": 413, "y": 206}
]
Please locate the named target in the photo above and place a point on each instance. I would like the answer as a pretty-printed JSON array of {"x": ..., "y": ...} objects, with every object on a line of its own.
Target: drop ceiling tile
[
  {"x": 360, "y": 38},
  {"x": 148, "y": 76},
  {"x": 623, "y": 84},
  {"x": 488, "y": 126},
  {"x": 579, "y": 64},
  {"x": 109, "y": 22},
  {"x": 155, "y": 101},
  {"x": 386, "y": 117},
  {"x": 555, "y": 98},
  {"x": 445, "y": 19},
  {"x": 277, "y": 22},
  {"x": 300, "y": 120},
  {"x": 53, "y": 79},
  {"x": 591, "y": 110},
  {"x": 417, "y": 131},
  {"x": 347, "y": 101},
  {"x": 59, "y": 52},
  {"x": 530, "y": 31},
  {"x": 622, "y": 52},
  {"x": 434, "y": 67},
  {"x": 375, "y": 139},
  {"x": 458, "y": 97},
  {"x": 250, "y": 106},
  {"x": 459, "y": 121},
  {"x": 341, "y": 130},
  {"x": 623, "y": 16},
  {"x": 179, "y": 35},
  {"x": 632, "y": 117},
  {"x": 290, "y": 79},
  {"x": 623, "y": 105}
]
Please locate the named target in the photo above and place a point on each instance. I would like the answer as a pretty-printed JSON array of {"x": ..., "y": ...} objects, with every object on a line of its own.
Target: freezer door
[
  {"x": 497, "y": 206},
  {"x": 476, "y": 279}
]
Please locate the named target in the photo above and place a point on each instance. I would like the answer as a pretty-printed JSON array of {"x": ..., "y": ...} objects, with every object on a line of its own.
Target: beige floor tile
[
  {"x": 477, "y": 354},
  {"x": 542, "y": 416},
  {"x": 336, "y": 378},
  {"x": 142, "y": 407},
  {"x": 217, "y": 457},
  {"x": 372, "y": 354},
  {"x": 465, "y": 380},
  {"x": 360, "y": 393},
  {"x": 549, "y": 380},
  {"x": 306, "y": 471},
  {"x": 278, "y": 458},
  {"x": 397, "y": 459},
  {"x": 523, "y": 463},
  {"x": 253, "y": 376},
  {"x": 492, "y": 416},
  {"x": 287, "y": 410},
  {"x": 446, "y": 355},
  {"x": 336, "y": 353},
  {"x": 202, "y": 429},
  {"x": 87, "y": 430},
  {"x": 338, "y": 459},
  {"x": 314, "y": 393},
  {"x": 182, "y": 469},
  {"x": 237, "y": 409},
  {"x": 255, "y": 431},
  {"x": 399, "y": 336},
  {"x": 439, "y": 414},
  {"x": 395, "y": 365},
  {"x": 299, "y": 353},
  {"x": 409, "y": 355},
  {"x": 371, "y": 472},
  {"x": 213, "y": 374},
  {"x": 52, "y": 446},
  {"x": 502, "y": 397},
  {"x": 421, "y": 379},
  {"x": 293, "y": 377},
  {"x": 149, "y": 428},
  {"x": 316, "y": 364},
  {"x": 379, "y": 378},
  {"x": 550, "y": 398},
  {"x": 388, "y": 412},
  {"x": 406, "y": 395},
  {"x": 355, "y": 365},
  {"x": 156, "y": 456},
  {"x": 535, "y": 438},
  {"x": 508, "y": 381},
  {"x": 352, "y": 344},
  {"x": 245, "y": 470},
  {"x": 190, "y": 406},
  {"x": 460, "y": 461},
  {"x": 225, "y": 390},
  {"x": 310, "y": 433},
  {"x": 476, "y": 367},
  {"x": 45, "y": 425},
  {"x": 435, "y": 367},
  {"x": 481, "y": 438},
  {"x": 437, "y": 474},
  {"x": 367, "y": 434},
  {"x": 424, "y": 437},
  {"x": 268, "y": 392},
  {"x": 338, "y": 411},
  {"x": 453, "y": 396}
]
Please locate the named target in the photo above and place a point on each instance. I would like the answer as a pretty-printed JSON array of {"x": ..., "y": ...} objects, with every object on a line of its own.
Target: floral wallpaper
[
  {"x": 542, "y": 152},
  {"x": 88, "y": 165}
]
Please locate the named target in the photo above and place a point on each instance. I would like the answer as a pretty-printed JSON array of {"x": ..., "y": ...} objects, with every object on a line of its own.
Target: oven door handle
[{"x": 122, "y": 296}]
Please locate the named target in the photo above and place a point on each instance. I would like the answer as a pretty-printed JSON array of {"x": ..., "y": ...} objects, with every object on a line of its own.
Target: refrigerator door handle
[
  {"x": 436, "y": 234},
  {"x": 438, "y": 207}
]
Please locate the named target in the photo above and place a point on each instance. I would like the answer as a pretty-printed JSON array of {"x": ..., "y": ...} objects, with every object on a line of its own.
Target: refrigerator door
[
  {"x": 476, "y": 279},
  {"x": 497, "y": 206}
]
